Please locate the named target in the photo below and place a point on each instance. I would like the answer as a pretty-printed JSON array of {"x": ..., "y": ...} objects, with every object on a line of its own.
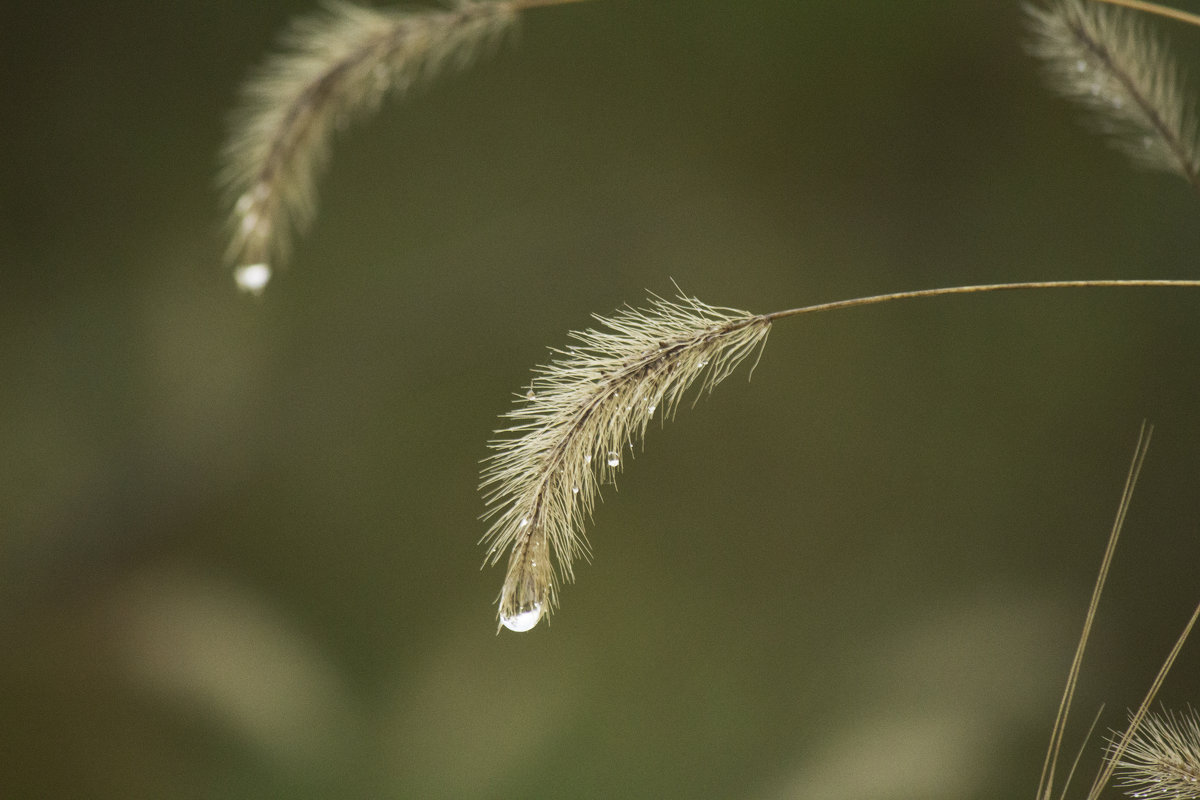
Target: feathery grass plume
[
  {"x": 338, "y": 66},
  {"x": 596, "y": 398},
  {"x": 1162, "y": 760},
  {"x": 1111, "y": 62},
  {"x": 583, "y": 412}
]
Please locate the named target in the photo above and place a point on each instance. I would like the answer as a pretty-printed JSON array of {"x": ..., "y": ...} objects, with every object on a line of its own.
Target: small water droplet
[
  {"x": 652, "y": 407},
  {"x": 524, "y": 522},
  {"x": 613, "y": 459},
  {"x": 574, "y": 490},
  {"x": 252, "y": 278},
  {"x": 704, "y": 363},
  {"x": 587, "y": 459},
  {"x": 1081, "y": 66},
  {"x": 523, "y": 620}
]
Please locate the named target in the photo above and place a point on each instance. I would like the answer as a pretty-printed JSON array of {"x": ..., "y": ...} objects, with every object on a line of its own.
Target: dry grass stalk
[
  {"x": 1046, "y": 783},
  {"x": 1108, "y": 60}
]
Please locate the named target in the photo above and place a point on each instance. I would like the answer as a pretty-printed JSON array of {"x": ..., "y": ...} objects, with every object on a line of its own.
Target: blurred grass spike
[
  {"x": 1108, "y": 60},
  {"x": 336, "y": 67}
]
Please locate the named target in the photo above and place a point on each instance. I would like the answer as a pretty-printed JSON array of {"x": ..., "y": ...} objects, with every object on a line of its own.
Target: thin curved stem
[
  {"x": 521, "y": 5},
  {"x": 977, "y": 289},
  {"x": 1150, "y": 8}
]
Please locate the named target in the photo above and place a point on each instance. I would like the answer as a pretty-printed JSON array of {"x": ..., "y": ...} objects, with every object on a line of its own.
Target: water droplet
[
  {"x": 652, "y": 407},
  {"x": 613, "y": 459},
  {"x": 523, "y": 620},
  {"x": 252, "y": 278},
  {"x": 574, "y": 490},
  {"x": 530, "y": 394},
  {"x": 587, "y": 459},
  {"x": 1081, "y": 66},
  {"x": 524, "y": 522},
  {"x": 704, "y": 363}
]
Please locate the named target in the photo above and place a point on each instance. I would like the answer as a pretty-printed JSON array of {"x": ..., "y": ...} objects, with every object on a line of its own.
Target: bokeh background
[{"x": 238, "y": 548}]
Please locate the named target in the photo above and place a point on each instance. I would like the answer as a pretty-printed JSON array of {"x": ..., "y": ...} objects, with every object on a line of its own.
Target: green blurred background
[{"x": 239, "y": 536}]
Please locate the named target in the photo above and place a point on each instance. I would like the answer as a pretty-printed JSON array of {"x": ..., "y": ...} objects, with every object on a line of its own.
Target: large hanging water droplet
[
  {"x": 252, "y": 278},
  {"x": 523, "y": 620},
  {"x": 613, "y": 459},
  {"x": 530, "y": 395}
]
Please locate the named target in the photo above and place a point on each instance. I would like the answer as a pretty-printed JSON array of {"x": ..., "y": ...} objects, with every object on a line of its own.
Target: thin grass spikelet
[
  {"x": 1110, "y": 61},
  {"x": 1162, "y": 760},
  {"x": 337, "y": 67},
  {"x": 584, "y": 412}
]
